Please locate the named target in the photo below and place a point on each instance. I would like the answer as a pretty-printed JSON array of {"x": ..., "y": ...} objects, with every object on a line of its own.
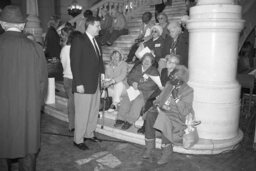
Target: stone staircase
[
  {"x": 105, "y": 126},
  {"x": 124, "y": 42}
]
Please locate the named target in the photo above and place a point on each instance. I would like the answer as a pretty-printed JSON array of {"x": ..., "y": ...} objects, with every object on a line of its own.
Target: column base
[{"x": 206, "y": 146}]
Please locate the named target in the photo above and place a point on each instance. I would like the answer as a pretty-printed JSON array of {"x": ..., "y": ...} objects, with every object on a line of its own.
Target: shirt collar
[
  {"x": 14, "y": 29},
  {"x": 89, "y": 35}
]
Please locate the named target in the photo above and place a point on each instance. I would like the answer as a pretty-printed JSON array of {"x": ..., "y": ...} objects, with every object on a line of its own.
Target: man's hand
[
  {"x": 80, "y": 89},
  {"x": 135, "y": 85}
]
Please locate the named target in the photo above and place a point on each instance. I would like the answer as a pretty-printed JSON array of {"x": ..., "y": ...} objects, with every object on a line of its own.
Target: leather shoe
[
  {"x": 119, "y": 123},
  {"x": 141, "y": 130},
  {"x": 81, "y": 146},
  {"x": 93, "y": 139},
  {"x": 126, "y": 126}
]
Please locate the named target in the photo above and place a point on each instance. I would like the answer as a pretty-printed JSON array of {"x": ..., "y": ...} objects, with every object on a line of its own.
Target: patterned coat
[{"x": 171, "y": 123}]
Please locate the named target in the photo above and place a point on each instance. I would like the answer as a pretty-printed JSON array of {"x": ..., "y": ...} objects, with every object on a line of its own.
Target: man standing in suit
[{"x": 88, "y": 69}]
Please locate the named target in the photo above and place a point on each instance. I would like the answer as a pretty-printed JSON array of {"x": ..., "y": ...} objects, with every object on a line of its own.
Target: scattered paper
[
  {"x": 253, "y": 72},
  {"x": 110, "y": 161},
  {"x": 132, "y": 93}
]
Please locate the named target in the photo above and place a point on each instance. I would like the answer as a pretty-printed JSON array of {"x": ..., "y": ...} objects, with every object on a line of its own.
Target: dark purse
[{"x": 106, "y": 101}]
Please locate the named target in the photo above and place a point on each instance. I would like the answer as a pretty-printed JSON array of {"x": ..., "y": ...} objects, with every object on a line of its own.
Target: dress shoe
[
  {"x": 93, "y": 139},
  {"x": 141, "y": 130},
  {"x": 119, "y": 123},
  {"x": 81, "y": 146},
  {"x": 126, "y": 126}
]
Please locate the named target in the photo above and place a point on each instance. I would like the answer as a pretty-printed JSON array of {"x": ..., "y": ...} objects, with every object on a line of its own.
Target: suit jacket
[{"x": 86, "y": 65}]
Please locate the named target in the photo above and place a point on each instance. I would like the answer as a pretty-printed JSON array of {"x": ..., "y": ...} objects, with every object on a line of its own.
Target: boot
[
  {"x": 166, "y": 153},
  {"x": 150, "y": 146}
]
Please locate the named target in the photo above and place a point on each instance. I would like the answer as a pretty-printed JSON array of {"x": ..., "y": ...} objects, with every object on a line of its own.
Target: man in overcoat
[{"x": 23, "y": 85}]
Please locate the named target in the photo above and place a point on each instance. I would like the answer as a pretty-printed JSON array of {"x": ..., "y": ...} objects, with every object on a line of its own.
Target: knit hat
[
  {"x": 182, "y": 73},
  {"x": 158, "y": 28},
  {"x": 12, "y": 14}
]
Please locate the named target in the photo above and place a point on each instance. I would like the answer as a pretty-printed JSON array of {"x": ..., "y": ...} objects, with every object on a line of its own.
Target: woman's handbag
[{"x": 190, "y": 137}]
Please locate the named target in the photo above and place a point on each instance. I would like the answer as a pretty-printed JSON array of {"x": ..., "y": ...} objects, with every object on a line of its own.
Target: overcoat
[
  {"x": 23, "y": 85},
  {"x": 172, "y": 123}
]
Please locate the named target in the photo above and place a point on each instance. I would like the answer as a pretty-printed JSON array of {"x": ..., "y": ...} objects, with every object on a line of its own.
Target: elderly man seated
[
  {"x": 139, "y": 80},
  {"x": 168, "y": 115},
  {"x": 176, "y": 42}
]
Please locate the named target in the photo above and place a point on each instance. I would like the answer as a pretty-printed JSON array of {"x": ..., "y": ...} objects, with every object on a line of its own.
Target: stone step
[
  {"x": 59, "y": 111},
  {"x": 204, "y": 146}
]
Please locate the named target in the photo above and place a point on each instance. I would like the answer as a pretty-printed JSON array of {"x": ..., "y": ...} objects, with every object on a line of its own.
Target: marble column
[
  {"x": 33, "y": 22},
  {"x": 214, "y": 29}
]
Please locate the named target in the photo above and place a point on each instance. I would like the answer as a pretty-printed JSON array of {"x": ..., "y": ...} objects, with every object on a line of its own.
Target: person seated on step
[
  {"x": 172, "y": 61},
  {"x": 163, "y": 22},
  {"x": 144, "y": 34},
  {"x": 105, "y": 23},
  {"x": 141, "y": 87},
  {"x": 119, "y": 27},
  {"x": 168, "y": 115},
  {"x": 155, "y": 44},
  {"x": 116, "y": 72},
  {"x": 176, "y": 42},
  {"x": 246, "y": 57}
]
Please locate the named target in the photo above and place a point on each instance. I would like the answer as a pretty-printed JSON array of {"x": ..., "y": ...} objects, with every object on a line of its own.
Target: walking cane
[{"x": 104, "y": 104}]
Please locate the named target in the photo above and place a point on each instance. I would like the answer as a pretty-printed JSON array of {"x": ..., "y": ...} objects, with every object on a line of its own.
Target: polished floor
[{"x": 58, "y": 154}]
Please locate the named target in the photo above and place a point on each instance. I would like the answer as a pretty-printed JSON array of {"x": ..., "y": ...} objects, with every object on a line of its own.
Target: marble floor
[{"x": 58, "y": 154}]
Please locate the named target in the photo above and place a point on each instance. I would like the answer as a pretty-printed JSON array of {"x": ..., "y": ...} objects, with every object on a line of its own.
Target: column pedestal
[
  {"x": 33, "y": 27},
  {"x": 33, "y": 22},
  {"x": 214, "y": 29}
]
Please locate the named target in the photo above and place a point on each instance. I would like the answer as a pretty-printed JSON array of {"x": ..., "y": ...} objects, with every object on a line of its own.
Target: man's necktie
[{"x": 96, "y": 47}]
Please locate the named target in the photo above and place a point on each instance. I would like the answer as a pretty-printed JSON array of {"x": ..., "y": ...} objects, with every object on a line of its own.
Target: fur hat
[
  {"x": 182, "y": 73},
  {"x": 158, "y": 28},
  {"x": 12, "y": 14}
]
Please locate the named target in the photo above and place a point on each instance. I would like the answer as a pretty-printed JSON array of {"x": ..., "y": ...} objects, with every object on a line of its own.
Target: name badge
[{"x": 158, "y": 45}]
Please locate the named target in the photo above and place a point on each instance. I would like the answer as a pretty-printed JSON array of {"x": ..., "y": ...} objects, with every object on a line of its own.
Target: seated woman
[
  {"x": 139, "y": 79},
  {"x": 116, "y": 72},
  {"x": 171, "y": 63},
  {"x": 169, "y": 114}
]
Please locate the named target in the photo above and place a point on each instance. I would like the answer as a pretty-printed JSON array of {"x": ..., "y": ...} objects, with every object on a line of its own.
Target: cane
[{"x": 104, "y": 105}]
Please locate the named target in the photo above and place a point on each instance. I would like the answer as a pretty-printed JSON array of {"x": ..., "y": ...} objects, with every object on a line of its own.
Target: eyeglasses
[{"x": 154, "y": 31}]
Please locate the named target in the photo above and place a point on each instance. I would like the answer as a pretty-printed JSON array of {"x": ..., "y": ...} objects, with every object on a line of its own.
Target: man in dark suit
[{"x": 87, "y": 68}]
